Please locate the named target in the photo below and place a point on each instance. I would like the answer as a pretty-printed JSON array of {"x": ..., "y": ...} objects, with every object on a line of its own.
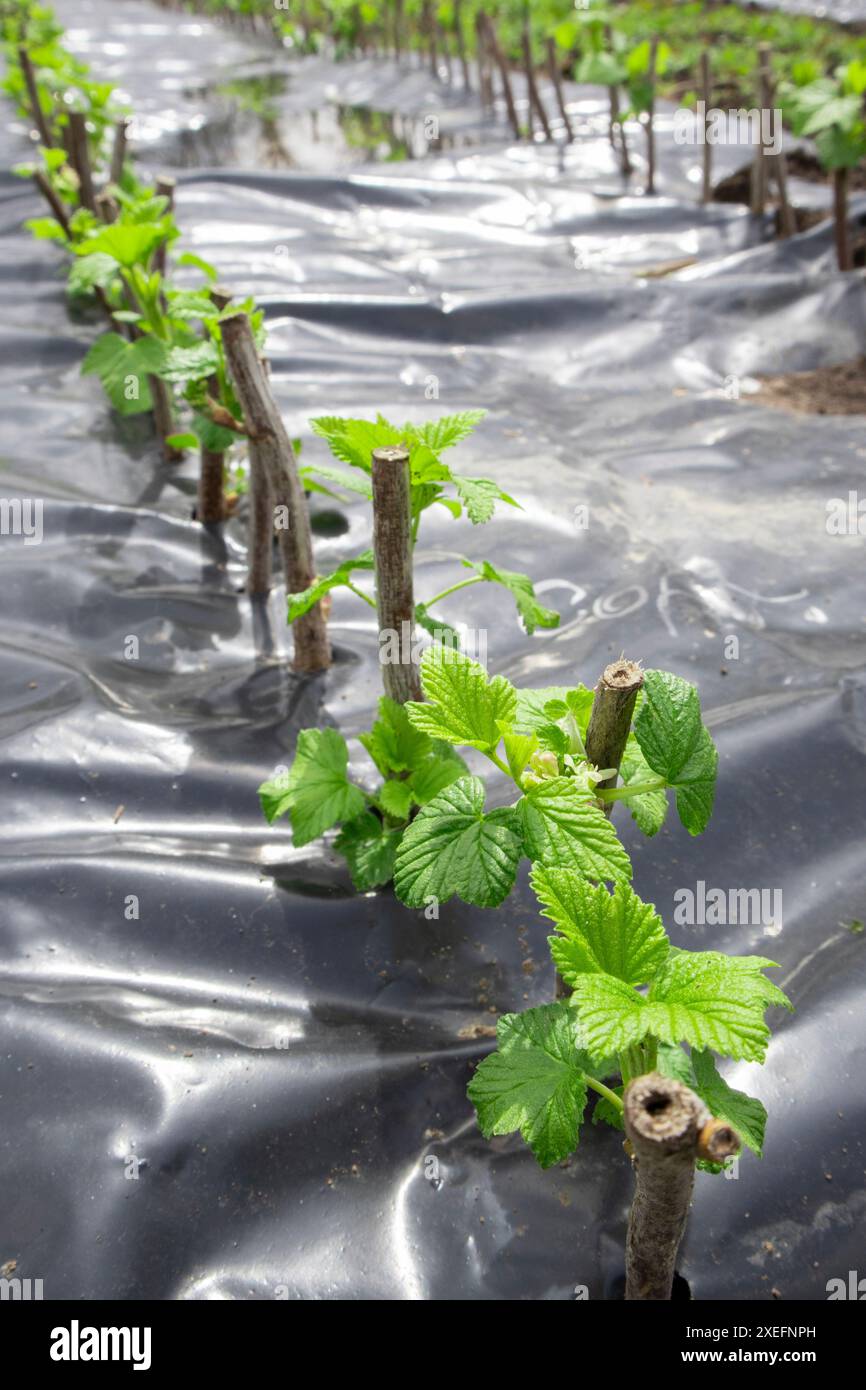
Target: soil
[{"x": 839, "y": 390}]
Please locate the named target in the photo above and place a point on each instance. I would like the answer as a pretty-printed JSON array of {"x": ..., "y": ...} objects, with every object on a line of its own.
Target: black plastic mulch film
[{"x": 282, "y": 1056}]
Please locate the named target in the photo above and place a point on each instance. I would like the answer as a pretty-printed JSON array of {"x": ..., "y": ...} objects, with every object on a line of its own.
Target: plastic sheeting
[{"x": 281, "y": 1057}]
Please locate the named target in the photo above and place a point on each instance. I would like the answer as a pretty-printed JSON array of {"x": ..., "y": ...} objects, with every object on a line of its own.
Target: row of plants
[
  {"x": 722, "y": 55},
  {"x": 635, "y": 1021}
]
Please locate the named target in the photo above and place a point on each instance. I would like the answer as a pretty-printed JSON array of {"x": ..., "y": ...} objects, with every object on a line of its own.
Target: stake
[
  {"x": 614, "y": 122},
  {"x": 535, "y": 101},
  {"x": 461, "y": 45},
  {"x": 650, "y": 133},
  {"x": 758, "y": 196},
  {"x": 499, "y": 59},
  {"x": 778, "y": 165},
  {"x": 668, "y": 1127},
  {"x": 80, "y": 153},
  {"x": 840, "y": 218},
  {"x": 165, "y": 187},
  {"x": 57, "y": 209},
  {"x": 707, "y": 177},
  {"x": 556, "y": 79},
  {"x": 271, "y": 448},
  {"x": 392, "y": 546},
  {"x": 483, "y": 58},
  {"x": 210, "y": 503},
  {"x": 610, "y": 720},
  {"x": 118, "y": 151},
  {"x": 36, "y": 111}
]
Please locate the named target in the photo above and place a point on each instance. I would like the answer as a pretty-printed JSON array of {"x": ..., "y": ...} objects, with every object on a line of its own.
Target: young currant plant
[
  {"x": 440, "y": 839},
  {"x": 433, "y": 483}
]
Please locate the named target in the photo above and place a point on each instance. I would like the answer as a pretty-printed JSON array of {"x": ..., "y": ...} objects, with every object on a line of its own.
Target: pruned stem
[
  {"x": 271, "y": 449},
  {"x": 210, "y": 505},
  {"x": 392, "y": 546},
  {"x": 118, "y": 151},
  {"x": 535, "y": 102},
  {"x": 165, "y": 187},
  {"x": 668, "y": 1127},
  {"x": 556, "y": 79},
  {"x": 79, "y": 152},
  {"x": 500, "y": 60},
  {"x": 707, "y": 149},
  {"x": 840, "y": 219},
  {"x": 36, "y": 111},
  {"x": 650, "y": 118},
  {"x": 610, "y": 720}
]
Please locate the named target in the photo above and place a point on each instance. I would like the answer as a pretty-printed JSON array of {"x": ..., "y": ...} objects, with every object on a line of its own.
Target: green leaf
[
  {"x": 191, "y": 305},
  {"x": 128, "y": 245},
  {"x": 353, "y": 441},
  {"x": 533, "y": 1083},
  {"x": 743, "y": 1113},
  {"x": 317, "y": 792},
  {"x": 88, "y": 272},
  {"x": 301, "y": 603},
  {"x": 605, "y": 1110},
  {"x": 338, "y": 478},
  {"x": 189, "y": 258},
  {"x": 452, "y": 847},
  {"x": 182, "y": 441},
  {"x": 465, "y": 707},
  {"x": 562, "y": 826},
  {"x": 449, "y": 430},
  {"x": 437, "y": 771},
  {"x": 701, "y": 997},
  {"x": 393, "y": 743},
  {"x": 45, "y": 229},
  {"x": 396, "y": 799},
  {"x": 615, "y": 934},
  {"x": 532, "y": 613},
  {"x": 124, "y": 368},
  {"x": 214, "y": 437},
  {"x": 439, "y": 630},
  {"x": 369, "y": 849},
  {"x": 600, "y": 69},
  {"x": 676, "y": 745},
  {"x": 519, "y": 748},
  {"x": 479, "y": 496},
  {"x": 184, "y": 364},
  {"x": 534, "y": 706}
]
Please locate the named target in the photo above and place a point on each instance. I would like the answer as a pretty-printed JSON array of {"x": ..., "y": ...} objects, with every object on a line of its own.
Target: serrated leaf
[
  {"x": 190, "y": 258},
  {"x": 532, "y": 705},
  {"x": 301, "y": 603},
  {"x": 124, "y": 368},
  {"x": 612, "y": 933},
  {"x": 562, "y": 826},
  {"x": 182, "y": 364},
  {"x": 211, "y": 436},
  {"x": 452, "y": 847},
  {"x": 465, "y": 707},
  {"x": 449, "y": 429},
  {"x": 479, "y": 496},
  {"x": 519, "y": 748},
  {"x": 127, "y": 244},
  {"x": 437, "y": 771},
  {"x": 353, "y": 441},
  {"x": 393, "y": 743},
  {"x": 369, "y": 849},
  {"x": 440, "y": 631},
  {"x": 190, "y": 305},
  {"x": 396, "y": 798},
  {"x": 676, "y": 745},
  {"x": 703, "y": 998},
  {"x": 533, "y": 1083},
  {"x": 338, "y": 478},
  {"x": 317, "y": 792},
  {"x": 88, "y": 272},
  {"x": 182, "y": 441},
  {"x": 605, "y": 1110},
  {"x": 533, "y": 614}
]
